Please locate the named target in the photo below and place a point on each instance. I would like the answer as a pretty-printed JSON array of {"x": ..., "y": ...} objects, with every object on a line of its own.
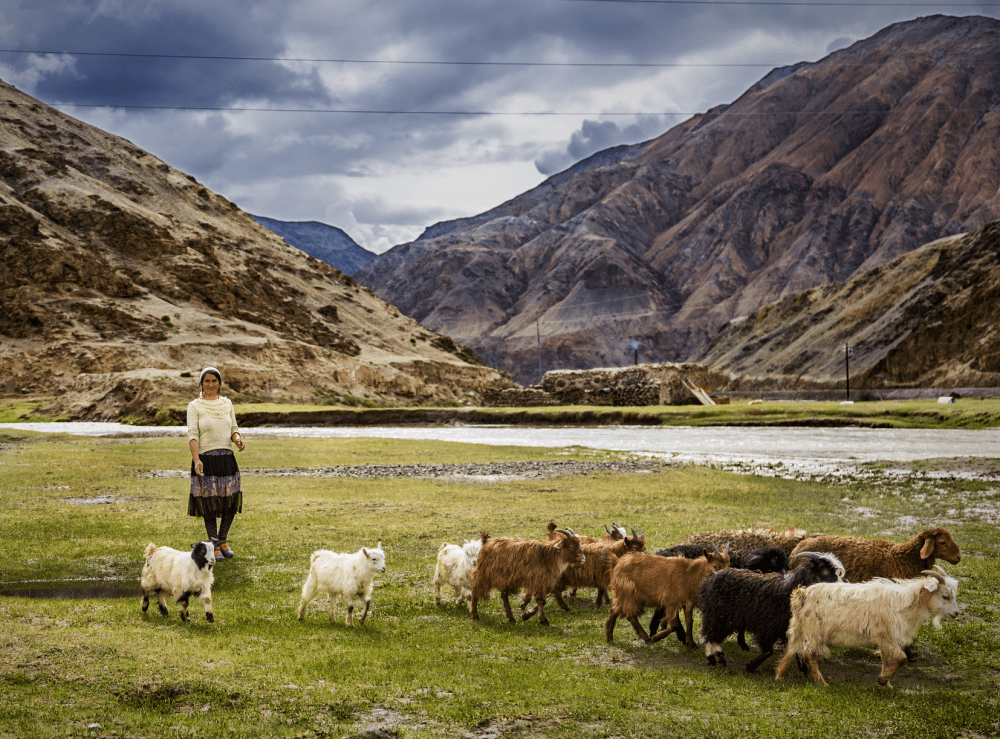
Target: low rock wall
[{"x": 639, "y": 385}]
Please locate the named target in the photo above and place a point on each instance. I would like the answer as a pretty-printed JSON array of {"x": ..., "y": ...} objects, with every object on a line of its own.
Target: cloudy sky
[{"x": 383, "y": 117}]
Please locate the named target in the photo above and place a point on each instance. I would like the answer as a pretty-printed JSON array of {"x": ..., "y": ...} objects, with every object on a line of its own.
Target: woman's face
[{"x": 210, "y": 385}]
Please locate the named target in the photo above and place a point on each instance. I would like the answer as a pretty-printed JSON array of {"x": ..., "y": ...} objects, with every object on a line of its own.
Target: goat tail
[
  {"x": 442, "y": 547},
  {"x": 150, "y": 548}
]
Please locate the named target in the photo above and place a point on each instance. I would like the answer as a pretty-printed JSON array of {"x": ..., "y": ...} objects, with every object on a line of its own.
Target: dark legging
[{"x": 223, "y": 530}]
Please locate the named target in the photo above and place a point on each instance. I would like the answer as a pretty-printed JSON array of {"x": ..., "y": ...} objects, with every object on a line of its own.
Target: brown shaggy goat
[
  {"x": 670, "y": 583},
  {"x": 865, "y": 559},
  {"x": 510, "y": 565}
]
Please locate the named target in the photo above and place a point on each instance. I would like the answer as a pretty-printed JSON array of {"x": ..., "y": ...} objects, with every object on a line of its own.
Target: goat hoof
[{"x": 211, "y": 617}]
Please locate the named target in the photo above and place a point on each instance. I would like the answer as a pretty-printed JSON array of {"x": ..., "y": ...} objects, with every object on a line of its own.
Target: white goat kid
[
  {"x": 347, "y": 576},
  {"x": 454, "y": 568},
  {"x": 181, "y": 574}
]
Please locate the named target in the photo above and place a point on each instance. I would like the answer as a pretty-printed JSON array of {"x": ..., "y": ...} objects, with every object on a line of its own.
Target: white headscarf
[{"x": 201, "y": 379}]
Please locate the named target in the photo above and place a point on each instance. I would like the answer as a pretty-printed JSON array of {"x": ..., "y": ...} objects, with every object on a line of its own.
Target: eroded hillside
[{"x": 122, "y": 274}]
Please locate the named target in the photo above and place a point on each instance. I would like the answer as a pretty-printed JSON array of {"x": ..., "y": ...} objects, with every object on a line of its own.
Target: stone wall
[{"x": 644, "y": 384}]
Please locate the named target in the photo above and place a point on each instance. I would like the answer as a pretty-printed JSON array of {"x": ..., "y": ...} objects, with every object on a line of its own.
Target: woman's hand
[
  {"x": 238, "y": 441},
  {"x": 199, "y": 468}
]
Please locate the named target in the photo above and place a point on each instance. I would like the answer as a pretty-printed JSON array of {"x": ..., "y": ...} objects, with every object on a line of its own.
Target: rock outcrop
[
  {"x": 930, "y": 318},
  {"x": 639, "y": 385},
  {"x": 815, "y": 175},
  {"x": 123, "y": 276}
]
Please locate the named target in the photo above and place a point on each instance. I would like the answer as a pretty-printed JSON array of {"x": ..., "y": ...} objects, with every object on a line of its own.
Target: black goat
[
  {"x": 740, "y": 600},
  {"x": 763, "y": 560}
]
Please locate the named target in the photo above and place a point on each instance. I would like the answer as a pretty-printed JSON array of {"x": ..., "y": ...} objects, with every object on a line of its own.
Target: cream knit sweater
[{"x": 212, "y": 423}]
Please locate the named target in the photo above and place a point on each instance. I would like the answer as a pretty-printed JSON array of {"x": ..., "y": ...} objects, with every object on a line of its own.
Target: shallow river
[{"x": 721, "y": 444}]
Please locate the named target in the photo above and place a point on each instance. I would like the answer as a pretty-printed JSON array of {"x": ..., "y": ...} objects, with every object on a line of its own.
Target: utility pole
[
  {"x": 847, "y": 368},
  {"x": 538, "y": 338}
]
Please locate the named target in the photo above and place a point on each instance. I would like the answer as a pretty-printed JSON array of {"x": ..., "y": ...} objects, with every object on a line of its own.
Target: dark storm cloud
[
  {"x": 386, "y": 173},
  {"x": 595, "y": 136}
]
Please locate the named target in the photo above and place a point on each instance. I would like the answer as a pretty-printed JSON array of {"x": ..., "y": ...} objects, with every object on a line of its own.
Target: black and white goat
[{"x": 179, "y": 574}]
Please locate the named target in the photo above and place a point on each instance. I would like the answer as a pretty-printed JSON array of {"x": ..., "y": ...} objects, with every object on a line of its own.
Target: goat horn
[
  {"x": 937, "y": 575},
  {"x": 565, "y": 532},
  {"x": 608, "y": 530},
  {"x": 634, "y": 535}
]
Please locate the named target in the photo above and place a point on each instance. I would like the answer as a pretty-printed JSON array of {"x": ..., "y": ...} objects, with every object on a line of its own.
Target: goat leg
[
  {"x": 641, "y": 632},
  {"x": 609, "y": 625},
  {"x": 783, "y": 665},
  {"x": 540, "y": 601},
  {"x": 505, "y": 597},
  {"x": 765, "y": 652},
  {"x": 364, "y": 614},
  {"x": 688, "y": 639},
  {"x": 557, "y": 594},
  {"x": 654, "y": 623}
]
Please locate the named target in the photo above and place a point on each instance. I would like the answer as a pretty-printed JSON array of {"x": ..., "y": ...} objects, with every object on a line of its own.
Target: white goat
[
  {"x": 181, "y": 574},
  {"x": 883, "y": 612},
  {"x": 454, "y": 567},
  {"x": 348, "y": 576}
]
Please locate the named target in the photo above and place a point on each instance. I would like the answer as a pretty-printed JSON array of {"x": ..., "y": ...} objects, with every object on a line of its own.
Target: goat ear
[
  {"x": 364, "y": 551},
  {"x": 928, "y": 548},
  {"x": 379, "y": 546},
  {"x": 931, "y": 585}
]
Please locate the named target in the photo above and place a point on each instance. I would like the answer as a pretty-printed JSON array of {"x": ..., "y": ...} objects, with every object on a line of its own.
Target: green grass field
[{"x": 83, "y": 509}]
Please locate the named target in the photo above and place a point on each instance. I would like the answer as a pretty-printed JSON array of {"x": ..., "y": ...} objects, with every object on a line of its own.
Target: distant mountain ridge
[
  {"x": 818, "y": 173},
  {"x": 327, "y": 243}
]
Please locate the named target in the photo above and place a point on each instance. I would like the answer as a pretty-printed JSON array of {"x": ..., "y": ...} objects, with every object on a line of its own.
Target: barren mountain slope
[
  {"x": 816, "y": 174},
  {"x": 121, "y": 273},
  {"x": 930, "y": 318}
]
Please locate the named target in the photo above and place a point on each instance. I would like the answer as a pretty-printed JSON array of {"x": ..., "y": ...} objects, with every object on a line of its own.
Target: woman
[{"x": 215, "y": 477}]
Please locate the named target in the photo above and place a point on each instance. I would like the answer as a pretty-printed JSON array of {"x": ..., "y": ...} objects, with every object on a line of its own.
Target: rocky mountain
[
  {"x": 816, "y": 174},
  {"x": 327, "y": 243},
  {"x": 123, "y": 277},
  {"x": 930, "y": 318}
]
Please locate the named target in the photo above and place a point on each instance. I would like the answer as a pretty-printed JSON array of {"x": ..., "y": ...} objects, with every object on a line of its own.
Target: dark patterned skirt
[{"x": 218, "y": 492}]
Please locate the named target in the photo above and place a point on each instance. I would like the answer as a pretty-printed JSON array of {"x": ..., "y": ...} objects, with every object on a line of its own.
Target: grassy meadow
[{"x": 82, "y": 510}]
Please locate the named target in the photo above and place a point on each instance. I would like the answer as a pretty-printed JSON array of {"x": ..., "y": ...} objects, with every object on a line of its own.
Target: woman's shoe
[
  {"x": 218, "y": 547},
  {"x": 223, "y": 547}
]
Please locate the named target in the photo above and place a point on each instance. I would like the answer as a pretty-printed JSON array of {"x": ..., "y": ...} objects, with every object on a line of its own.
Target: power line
[
  {"x": 459, "y": 63},
  {"x": 542, "y": 113}
]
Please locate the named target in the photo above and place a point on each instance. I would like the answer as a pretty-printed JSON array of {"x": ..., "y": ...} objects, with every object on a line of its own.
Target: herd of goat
[{"x": 810, "y": 591}]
